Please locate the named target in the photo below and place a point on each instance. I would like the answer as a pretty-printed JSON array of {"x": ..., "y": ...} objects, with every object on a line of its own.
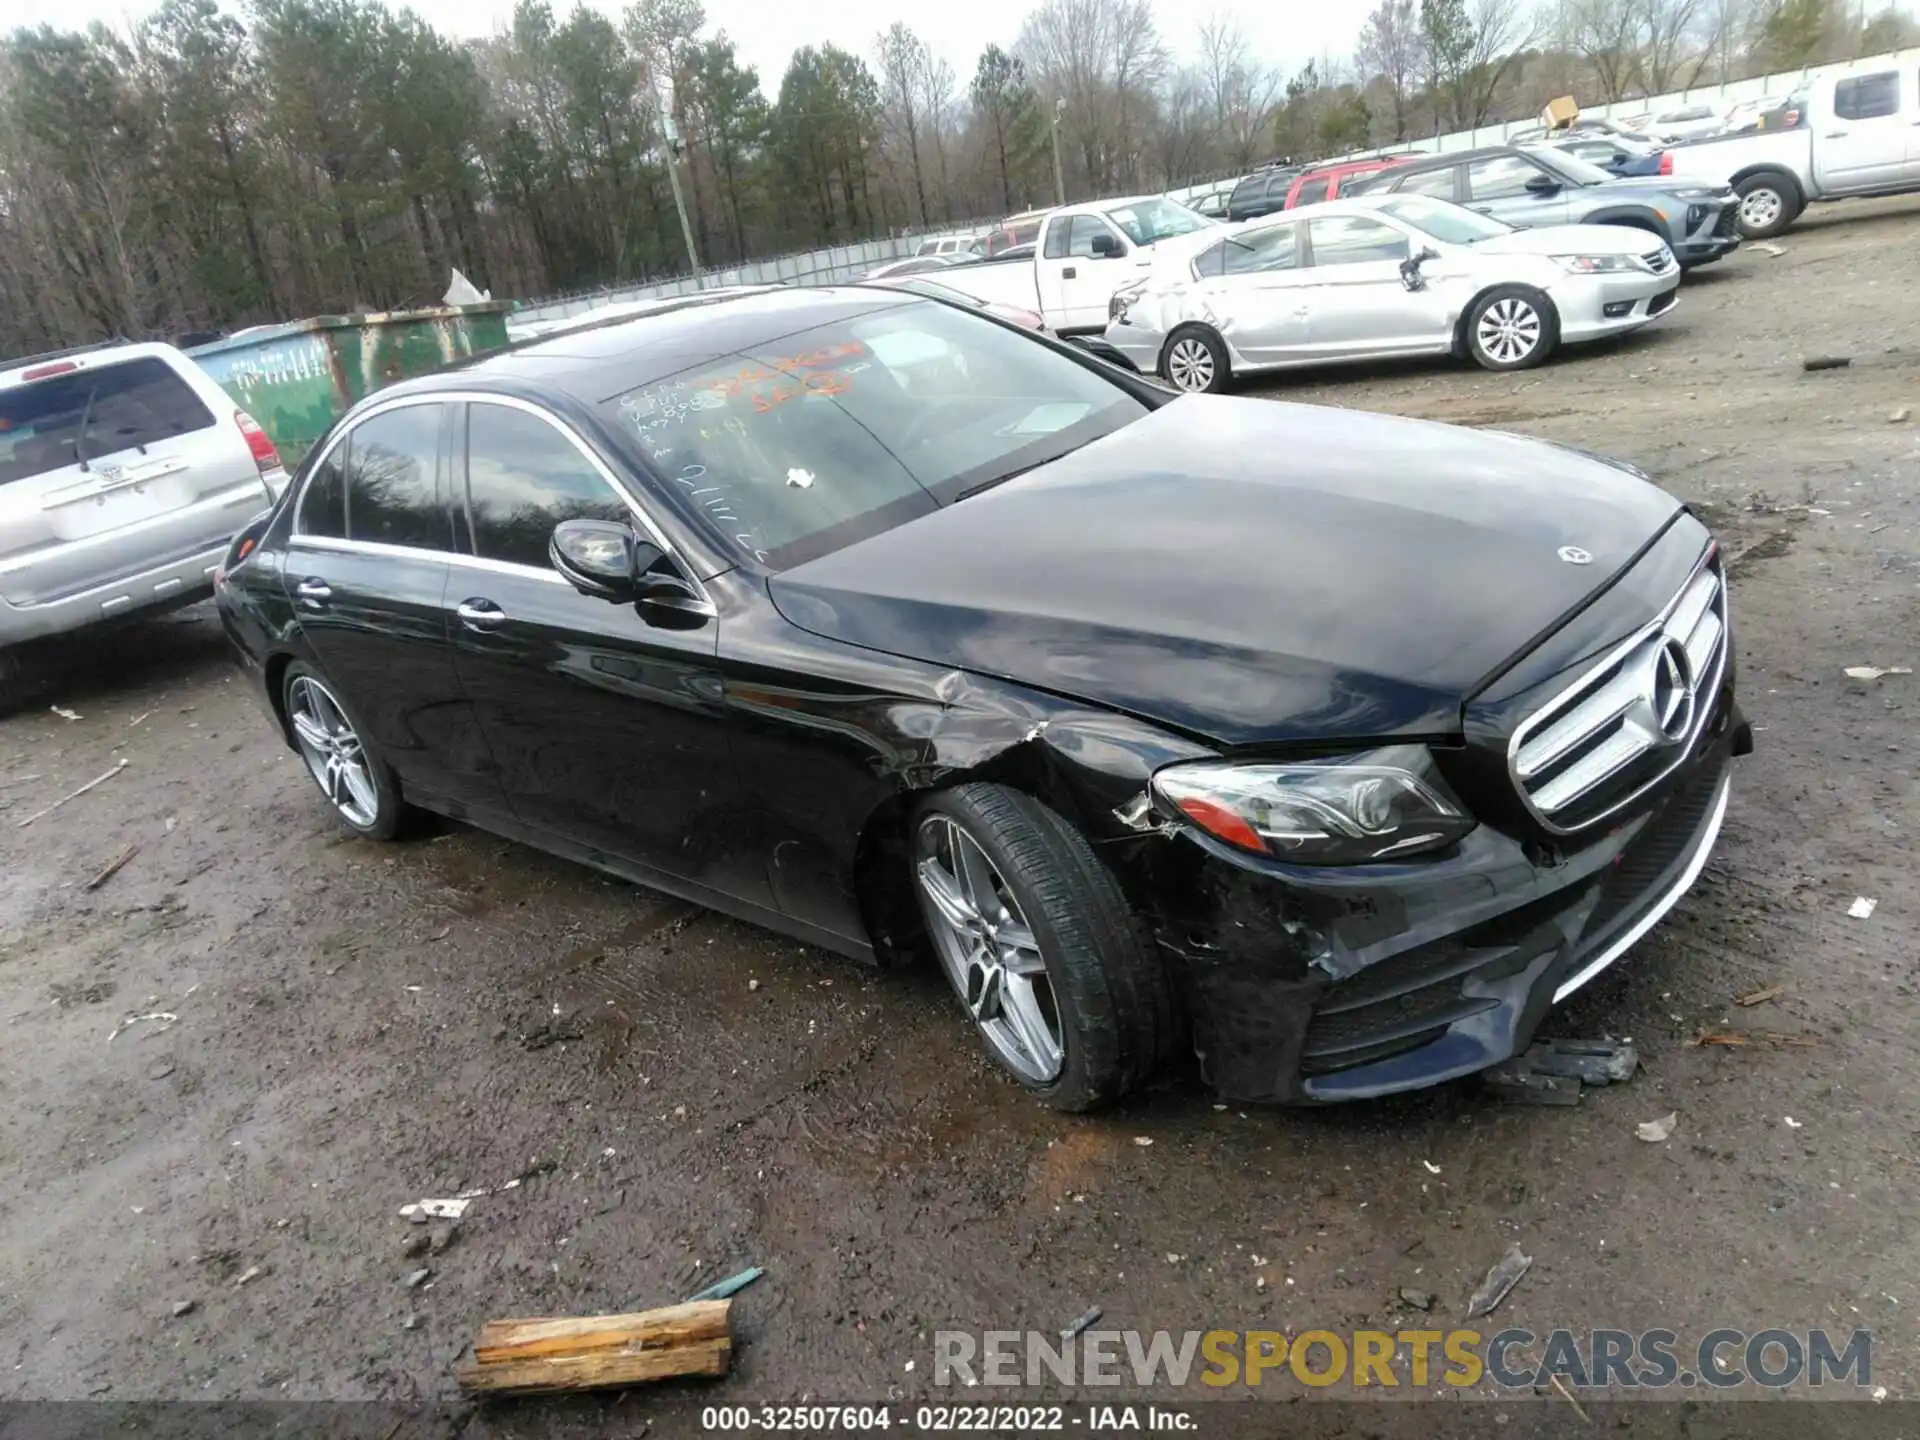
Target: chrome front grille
[
  {"x": 1626, "y": 723},
  {"x": 1658, "y": 261}
]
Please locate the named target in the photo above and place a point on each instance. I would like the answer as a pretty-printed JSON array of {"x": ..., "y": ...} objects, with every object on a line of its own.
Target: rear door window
[
  {"x": 1312, "y": 191},
  {"x": 1867, "y": 97},
  {"x": 1355, "y": 240},
  {"x": 381, "y": 484},
  {"x": 1442, "y": 184},
  {"x": 91, "y": 413},
  {"x": 1274, "y": 248}
]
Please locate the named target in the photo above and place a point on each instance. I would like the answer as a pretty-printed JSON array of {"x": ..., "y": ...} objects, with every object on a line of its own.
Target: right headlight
[{"x": 1386, "y": 804}]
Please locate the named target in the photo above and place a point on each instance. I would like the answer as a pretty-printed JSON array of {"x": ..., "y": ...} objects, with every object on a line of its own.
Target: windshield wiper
[
  {"x": 1013, "y": 474},
  {"x": 86, "y": 418}
]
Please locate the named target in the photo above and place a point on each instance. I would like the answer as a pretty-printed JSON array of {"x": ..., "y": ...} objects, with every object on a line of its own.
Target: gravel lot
[{"x": 360, "y": 1026}]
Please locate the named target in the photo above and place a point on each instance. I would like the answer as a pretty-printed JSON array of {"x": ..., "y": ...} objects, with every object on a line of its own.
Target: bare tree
[
  {"x": 1389, "y": 50},
  {"x": 1501, "y": 29},
  {"x": 1101, "y": 60},
  {"x": 1237, "y": 90},
  {"x": 904, "y": 59},
  {"x": 1606, "y": 34}
]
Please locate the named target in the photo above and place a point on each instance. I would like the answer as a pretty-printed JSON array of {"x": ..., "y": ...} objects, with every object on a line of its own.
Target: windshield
[
  {"x": 1454, "y": 224},
  {"x": 1571, "y": 168},
  {"x": 836, "y": 433},
  {"x": 1146, "y": 222}
]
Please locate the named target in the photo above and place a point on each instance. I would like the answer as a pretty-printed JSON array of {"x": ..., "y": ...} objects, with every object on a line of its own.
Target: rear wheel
[
  {"x": 14, "y": 686},
  {"x": 1195, "y": 360},
  {"x": 1040, "y": 946},
  {"x": 1512, "y": 327},
  {"x": 354, "y": 779},
  {"x": 1768, "y": 204}
]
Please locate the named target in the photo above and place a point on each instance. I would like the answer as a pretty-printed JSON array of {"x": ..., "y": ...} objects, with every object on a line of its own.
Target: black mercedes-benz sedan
[{"x": 1335, "y": 747}]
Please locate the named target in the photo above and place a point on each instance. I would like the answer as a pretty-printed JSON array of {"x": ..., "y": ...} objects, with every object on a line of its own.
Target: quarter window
[
  {"x": 1442, "y": 184},
  {"x": 1353, "y": 240},
  {"x": 1275, "y": 248},
  {"x": 1867, "y": 97},
  {"x": 1499, "y": 176},
  {"x": 391, "y": 482},
  {"x": 1311, "y": 192},
  {"x": 523, "y": 478},
  {"x": 323, "y": 506}
]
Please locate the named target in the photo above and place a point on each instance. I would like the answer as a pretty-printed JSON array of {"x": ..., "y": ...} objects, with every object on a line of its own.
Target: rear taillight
[
  {"x": 1666, "y": 162},
  {"x": 264, "y": 455}
]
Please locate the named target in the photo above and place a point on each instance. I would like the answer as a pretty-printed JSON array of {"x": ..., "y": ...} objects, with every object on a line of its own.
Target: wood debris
[
  {"x": 532, "y": 1357},
  {"x": 1768, "y": 1039},
  {"x": 1760, "y": 997}
]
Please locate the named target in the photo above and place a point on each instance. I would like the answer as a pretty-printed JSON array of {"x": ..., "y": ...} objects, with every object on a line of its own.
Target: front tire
[
  {"x": 1040, "y": 946},
  {"x": 1768, "y": 205},
  {"x": 16, "y": 686},
  {"x": 351, "y": 775},
  {"x": 1195, "y": 361},
  {"x": 1512, "y": 327}
]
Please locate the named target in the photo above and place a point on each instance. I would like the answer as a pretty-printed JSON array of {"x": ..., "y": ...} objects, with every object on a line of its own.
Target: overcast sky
[{"x": 1284, "y": 32}]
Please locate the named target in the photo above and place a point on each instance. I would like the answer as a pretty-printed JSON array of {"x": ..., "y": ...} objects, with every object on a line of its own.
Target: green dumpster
[{"x": 297, "y": 379}]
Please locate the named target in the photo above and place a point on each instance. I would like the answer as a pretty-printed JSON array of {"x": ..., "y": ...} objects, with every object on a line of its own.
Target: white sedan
[{"x": 1382, "y": 276}]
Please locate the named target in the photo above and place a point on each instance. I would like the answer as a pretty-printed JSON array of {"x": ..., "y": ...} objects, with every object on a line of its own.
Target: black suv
[{"x": 1263, "y": 192}]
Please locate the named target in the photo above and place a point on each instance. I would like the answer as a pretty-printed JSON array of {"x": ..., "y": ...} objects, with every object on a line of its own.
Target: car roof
[{"x": 597, "y": 362}]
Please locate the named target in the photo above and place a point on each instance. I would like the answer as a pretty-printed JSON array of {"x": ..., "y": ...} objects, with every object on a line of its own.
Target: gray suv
[
  {"x": 1528, "y": 188},
  {"x": 124, "y": 473}
]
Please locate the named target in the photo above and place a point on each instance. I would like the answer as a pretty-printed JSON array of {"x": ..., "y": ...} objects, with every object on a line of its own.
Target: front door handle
[
  {"x": 1484, "y": 209},
  {"x": 313, "y": 592},
  {"x": 1069, "y": 273},
  {"x": 1835, "y": 135},
  {"x": 481, "y": 615}
]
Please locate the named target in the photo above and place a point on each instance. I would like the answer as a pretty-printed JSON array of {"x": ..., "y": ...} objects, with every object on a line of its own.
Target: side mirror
[
  {"x": 1105, "y": 247},
  {"x": 1543, "y": 185},
  {"x": 601, "y": 558}
]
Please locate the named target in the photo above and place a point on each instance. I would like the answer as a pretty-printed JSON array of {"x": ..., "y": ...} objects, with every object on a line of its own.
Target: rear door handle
[
  {"x": 313, "y": 592},
  {"x": 481, "y": 615}
]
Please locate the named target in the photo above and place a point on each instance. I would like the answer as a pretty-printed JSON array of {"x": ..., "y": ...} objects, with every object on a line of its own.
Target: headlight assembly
[
  {"x": 1385, "y": 804},
  {"x": 1598, "y": 264}
]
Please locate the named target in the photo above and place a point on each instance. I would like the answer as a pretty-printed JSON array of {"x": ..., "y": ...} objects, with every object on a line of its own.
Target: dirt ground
[{"x": 346, "y": 1027}]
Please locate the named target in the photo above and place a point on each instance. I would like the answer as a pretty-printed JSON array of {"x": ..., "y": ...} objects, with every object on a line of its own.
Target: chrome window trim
[
  {"x": 704, "y": 605},
  {"x": 412, "y": 552},
  {"x": 1709, "y": 691}
]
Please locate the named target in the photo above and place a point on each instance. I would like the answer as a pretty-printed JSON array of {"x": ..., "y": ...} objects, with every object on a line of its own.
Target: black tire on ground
[
  {"x": 1117, "y": 1016},
  {"x": 1518, "y": 301},
  {"x": 1772, "y": 201},
  {"x": 15, "y": 685},
  {"x": 1207, "y": 373},
  {"x": 391, "y": 816}
]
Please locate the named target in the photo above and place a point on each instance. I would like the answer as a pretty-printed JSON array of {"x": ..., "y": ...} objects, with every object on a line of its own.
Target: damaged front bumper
[{"x": 1308, "y": 986}]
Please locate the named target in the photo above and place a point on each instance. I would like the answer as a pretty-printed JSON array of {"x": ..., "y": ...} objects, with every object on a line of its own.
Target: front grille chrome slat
[{"x": 1630, "y": 720}]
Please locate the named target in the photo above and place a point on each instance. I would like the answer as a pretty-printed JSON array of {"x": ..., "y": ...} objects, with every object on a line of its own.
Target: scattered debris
[
  {"x": 1766, "y": 1038},
  {"x": 1766, "y": 248},
  {"x": 546, "y": 1035},
  {"x": 422, "y": 1211},
  {"x": 416, "y": 1245},
  {"x": 440, "y": 934},
  {"x": 752, "y": 985},
  {"x": 1090, "y": 1316},
  {"x": 1143, "y": 1139},
  {"x": 1501, "y": 1279},
  {"x": 112, "y": 867},
  {"x": 246, "y": 1276},
  {"x": 1793, "y": 1124},
  {"x": 184, "y": 1307},
  {"x": 160, "y": 1069},
  {"x": 1760, "y": 997},
  {"x": 1874, "y": 672},
  {"x": 139, "y": 719},
  {"x": 416, "y": 1278},
  {"x": 410, "y": 1322},
  {"x": 1654, "y": 1131},
  {"x": 1826, "y": 362},
  {"x": 1552, "y": 1072},
  {"x": 1862, "y": 908},
  {"x": 442, "y": 1239},
  {"x": 1567, "y": 1395},
  {"x": 64, "y": 713},
  {"x": 1900, "y": 416},
  {"x": 1522, "y": 1087},
  {"x": 1767, "y": 547},
  {"x": 1432, "y": 1169},
  {"x": 164, "y": 1017},
  {"x": 531, "y": 1357},
  {"x": 118, "y": 766},
  {"x": 1418, "y": 1299},
  {"x": 726, "y": 1289}
]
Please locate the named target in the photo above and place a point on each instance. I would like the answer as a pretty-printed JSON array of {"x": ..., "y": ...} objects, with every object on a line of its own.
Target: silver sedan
[{"x": 1381, "y": 276}]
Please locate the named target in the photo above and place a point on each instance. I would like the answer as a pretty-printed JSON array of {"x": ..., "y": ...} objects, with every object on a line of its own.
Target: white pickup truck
[
  {"x": 1858, "y": 134},
  {"x": 1084, "y": 253}
]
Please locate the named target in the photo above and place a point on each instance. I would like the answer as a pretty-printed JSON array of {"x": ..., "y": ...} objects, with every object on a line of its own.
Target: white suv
[{"x": 124, "y": 472}]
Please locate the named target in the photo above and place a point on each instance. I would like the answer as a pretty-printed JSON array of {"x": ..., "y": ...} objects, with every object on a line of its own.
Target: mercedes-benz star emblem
[
  {"x": 1673, "y": 690},
  {"x": 1574, "y": 555}
]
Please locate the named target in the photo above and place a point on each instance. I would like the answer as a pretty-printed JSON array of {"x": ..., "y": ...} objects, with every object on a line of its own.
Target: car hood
[
  {"x": 1567, "y": 240},
  {"x": 1249, "y": 571}
]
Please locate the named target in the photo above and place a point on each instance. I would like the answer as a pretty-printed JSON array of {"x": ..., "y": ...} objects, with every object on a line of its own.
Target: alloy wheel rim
[
  {"x": 1190, "y": 365},
  {"x": 1760, "y": 208},
  {"x": 1509, "y": 330},
  {"x": 988, "y": 951},
  {"x": 332, "y": 750}
]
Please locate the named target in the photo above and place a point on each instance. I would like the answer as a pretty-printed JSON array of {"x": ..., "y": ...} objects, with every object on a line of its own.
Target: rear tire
[
  {"x": 15, "y": 685},
  {"x": 1098, "y": 983},
  {"x": 1195, "y": 361},
  {"x": 1768, "y": 205},
  {"x": 1512, "y": 327},
  {"x": 357, "y": 783}
]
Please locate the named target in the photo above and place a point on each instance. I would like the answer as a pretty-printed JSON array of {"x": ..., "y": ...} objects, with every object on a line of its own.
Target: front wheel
[
  {"x": 1039, "y": 944},
  {"x": 354, "y": 779},
  {"x": 1196, "y": 361},
  {"x": 1512, "y": 327},
  {"x": 1767, "y": 206}
]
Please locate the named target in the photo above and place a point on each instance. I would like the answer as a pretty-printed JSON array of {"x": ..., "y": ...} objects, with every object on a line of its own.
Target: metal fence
[{"x": 841, "y": 263}]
